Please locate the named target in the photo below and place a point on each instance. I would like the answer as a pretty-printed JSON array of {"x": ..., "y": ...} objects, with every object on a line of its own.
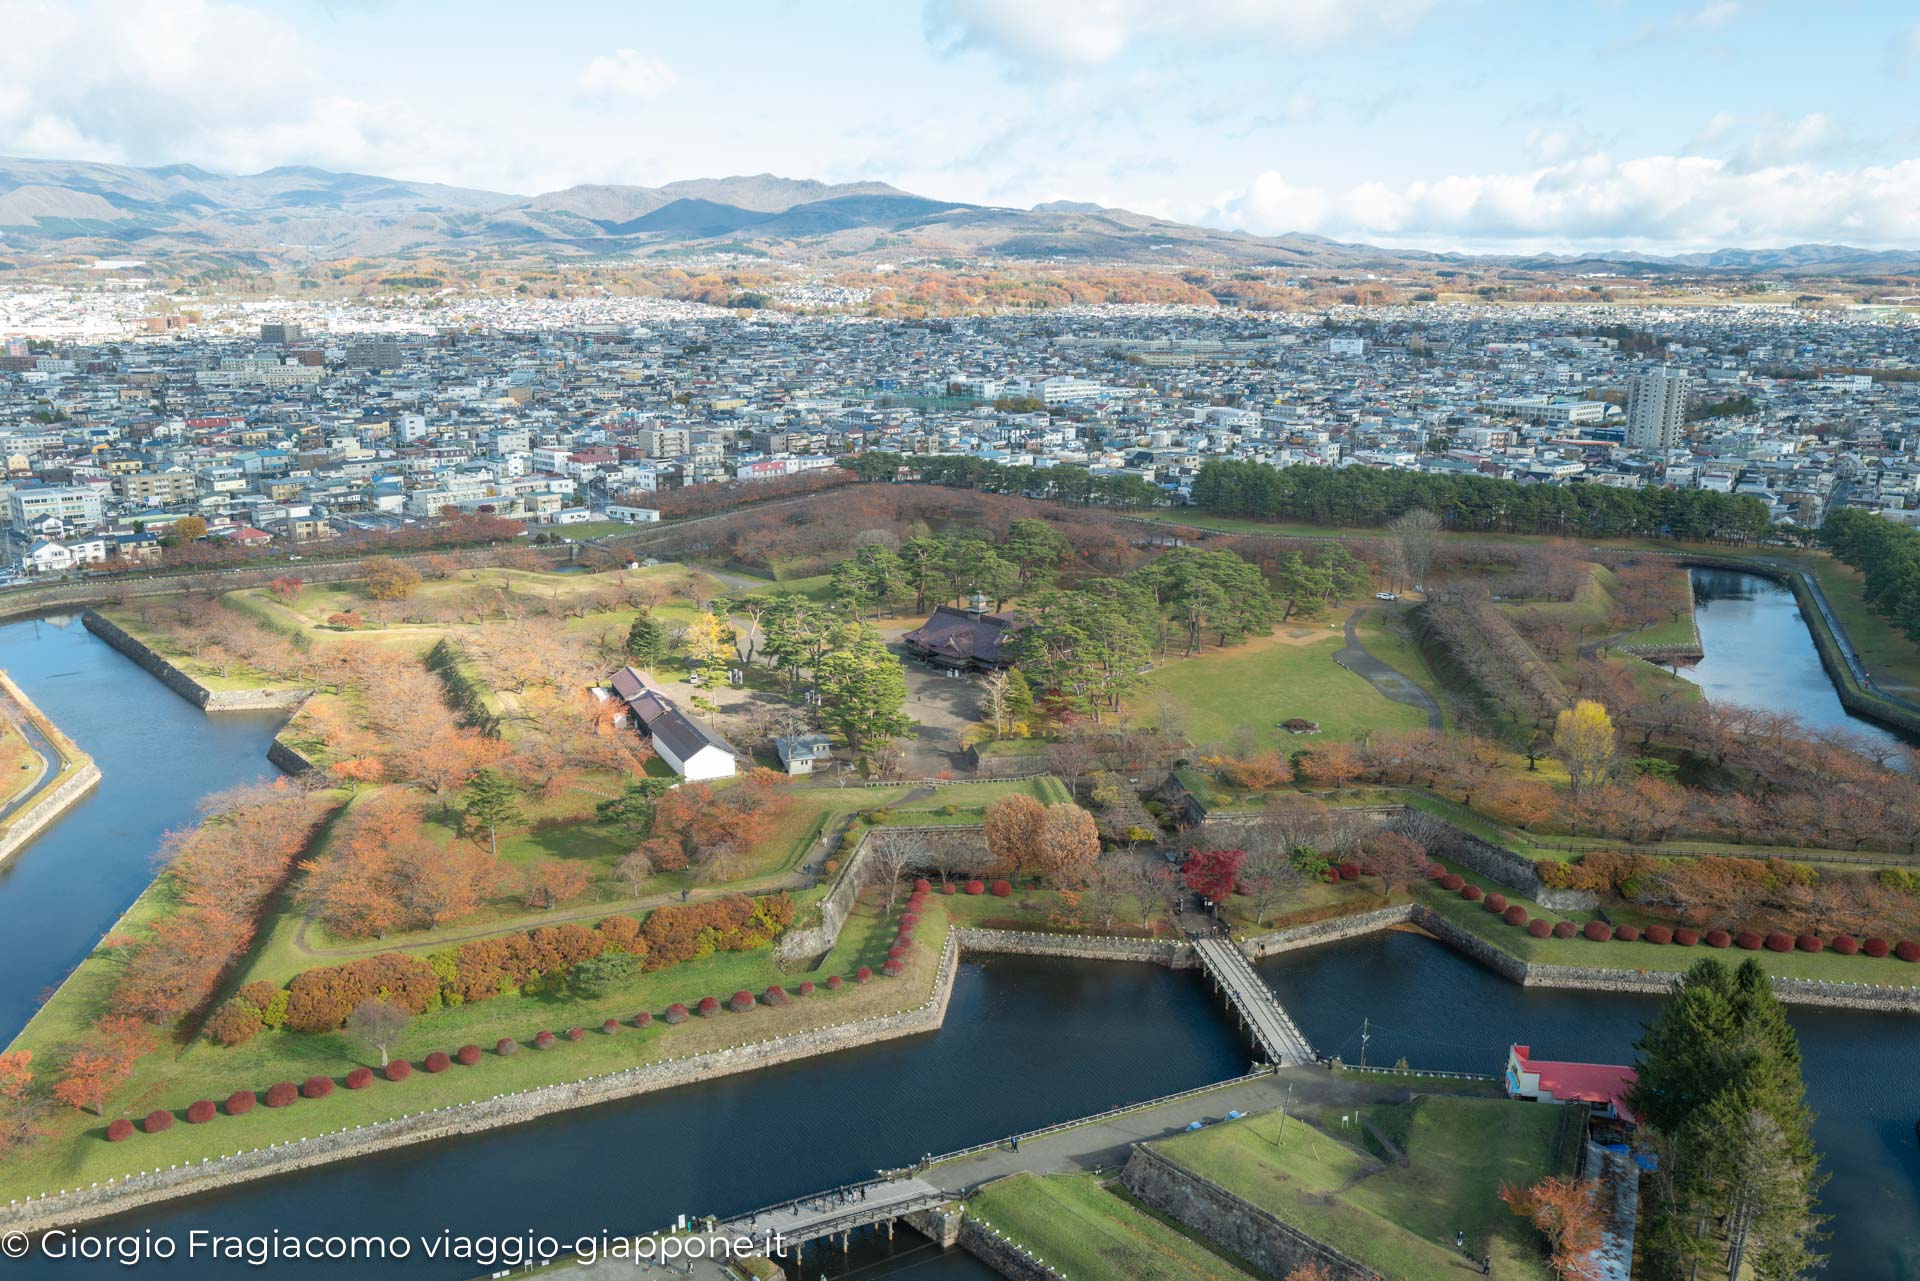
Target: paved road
[
  {"x": 37, "y": 744},
  {"x": 1355, "y": 658}
]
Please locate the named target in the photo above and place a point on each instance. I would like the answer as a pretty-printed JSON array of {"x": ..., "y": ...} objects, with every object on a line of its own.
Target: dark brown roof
[{"x": 956, "y": 636}]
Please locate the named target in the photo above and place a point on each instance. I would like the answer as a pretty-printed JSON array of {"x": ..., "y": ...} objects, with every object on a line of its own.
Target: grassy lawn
[
  {"x": 74, "y": 1154},
  {"x": 1400, "y": 1220},
  {"x": 1257, "y": 685},
  {"x": 236, "y": 677},
  {"x": 1893, "y": 660},
  {"x": 1081, "y": 1228}
]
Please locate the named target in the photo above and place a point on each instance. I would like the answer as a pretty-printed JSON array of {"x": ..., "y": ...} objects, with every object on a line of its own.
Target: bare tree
[
  {"x": 1416, "y": 535},
  {"x": 886, "y": 862},
  {"x": 377, "y": 1024}
]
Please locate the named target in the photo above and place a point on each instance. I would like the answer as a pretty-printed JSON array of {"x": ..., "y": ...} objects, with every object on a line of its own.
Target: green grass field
[
  {"x": 1083, "y": 1229},
  {"x": 1400, "y": 1220},
  {"x": 1257, "y": 685},
  {"x": 1893, "y": 660}
]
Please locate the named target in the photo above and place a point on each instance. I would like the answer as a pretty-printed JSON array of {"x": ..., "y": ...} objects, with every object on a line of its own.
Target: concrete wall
[
  {"x": 210, "y": 700},
  {"x": 1331, "y": 930},
  {"x": 1231, "y": 1222},
  {"x": 1085, "y": 947}
]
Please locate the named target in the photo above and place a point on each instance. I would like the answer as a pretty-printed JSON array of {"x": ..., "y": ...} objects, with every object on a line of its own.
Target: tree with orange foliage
[
  {"x": 1314, "y": 1271},
  {"x": 1068, "y": 844},
  {"x": 452, "y": 756},
  {"x": 90, "y": 1074},
  {"x": 1396, "y": 859},
  {"x": 1012, "y": 829},
  {"x": 1331, "y": 764},
  {"x": 1567, "y": 1212},
  {"x": 552, "y": 881},
  {"x": 1255, "y": 771},
  {"x": 16, "y": 1073},
  {"x": 1522, "y": 804}
]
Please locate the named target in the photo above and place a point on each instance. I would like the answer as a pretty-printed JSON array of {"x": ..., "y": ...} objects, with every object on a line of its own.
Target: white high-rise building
[{"x": 1656, "y": 407}]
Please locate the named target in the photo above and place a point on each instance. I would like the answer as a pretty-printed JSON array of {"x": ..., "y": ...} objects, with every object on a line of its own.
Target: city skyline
[{"x": 1401, "y": 123}]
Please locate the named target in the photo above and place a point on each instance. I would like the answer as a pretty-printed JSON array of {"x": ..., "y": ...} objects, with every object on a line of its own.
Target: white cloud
[
  {"x": 628, "y": 74},
  {"x": 1681, "y": 201},
  {"x": 1089, "y": 32}
]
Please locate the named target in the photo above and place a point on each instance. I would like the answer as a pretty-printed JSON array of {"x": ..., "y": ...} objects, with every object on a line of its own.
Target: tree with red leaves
[
  {"x": 1212, "y": 873},
  {"x": 1568, "y": 1214}
]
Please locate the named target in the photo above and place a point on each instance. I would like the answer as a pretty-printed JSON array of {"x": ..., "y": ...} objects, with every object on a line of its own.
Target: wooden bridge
[{"x": 1259, "y": 1010}]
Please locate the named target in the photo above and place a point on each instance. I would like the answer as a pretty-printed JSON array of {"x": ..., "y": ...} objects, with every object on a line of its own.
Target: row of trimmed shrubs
[
  {"x": 286, "y": 1093},
  {"x": 1601, "y": 932},
  {"x": 999, "y": 889}
]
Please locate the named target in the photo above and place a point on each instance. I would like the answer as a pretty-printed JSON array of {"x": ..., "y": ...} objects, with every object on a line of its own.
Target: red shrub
[
  {"x": 436, "y": 1063},
  {"x": 1628, "y": 933},
  {"x": 319, "y": 1000},
  {"x": 1779, "y": 941},
  {"x": 610, "y": 1026},
  {"x": 399, "y": 1070},
  {"x": 835, "y": 982},
  {"x": 1349, "y": 870},
  {"x": 1685, "y": 937},
  {"x": 1907, "y": 951},
  {"x": 911, "y": 919},
  {"x": 1597, "y": 931},
  {"x": 1515, "y": 915},
  {"x": 1452, "y": 881},
  {"x": 240, "y": 1102},
  {"x": 862, "y": 975},
  {"x": 1874, "y": 947},
  {"x": 157, "y": 1121},
  {"x": 575, "y": 1033},
  {"x": 1495, "y": 903},
  {"x": 922, "y": 885},
  {"x": 892, "y": 969},
  {"x": 467, "y": 1055},
  {"x": 1564, "y": 930},
  {"x": 1750, "y": 940},
  {"x": 740, "y": 1002},
  {"x": 1435, "y": 871},
  {"x": 201, "y": 1112},
  {"x": 360, "y": 1078},
  {"x": 281, "y": 1095},
  {"x": 708, "y": 1007},
  {"x": 1809, "y": 943},
  {"x": 976, "y": 887},
  {"x": 1845, "y": 944},
  {"x": 1717, "y": 938},
  {"x": 775, "y": 995},
  {"x": 543, "y": 1040},
  {"x": 949, "y": 888},
  {"x": 506, "y": 1047},
  {"x": 676, "y": 1014},
  {"x": 1540, "y": 927},
  {"x": 119, "y": 1129},
  {"x": 1002, "y": 888},
  {"x": 1659, "y": 934},
  {"x": 643, "y": 1019},
  {"x": 1471, "y": 893},
  {"x": 316, "y": 1087},
  {"x": 805, "y": 988},
  {"x": 1333, "y": 874}
]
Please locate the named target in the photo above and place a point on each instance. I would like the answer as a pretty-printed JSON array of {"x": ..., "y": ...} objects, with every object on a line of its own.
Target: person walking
[{"x": 1460, "y": 1239}]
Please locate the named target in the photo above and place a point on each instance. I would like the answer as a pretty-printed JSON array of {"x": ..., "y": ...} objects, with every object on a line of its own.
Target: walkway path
[
  {"x": 37, "y": 744},
  {"x": 1262, "y": 1013},
  {"x": 1391, "y": 684}
]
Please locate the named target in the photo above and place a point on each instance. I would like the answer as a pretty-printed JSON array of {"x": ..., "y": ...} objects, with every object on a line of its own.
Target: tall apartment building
[
  {"x": 373, "y": 353},
  {"x": 1656, "y": 407},
  {"x": 285, "y": 335}
]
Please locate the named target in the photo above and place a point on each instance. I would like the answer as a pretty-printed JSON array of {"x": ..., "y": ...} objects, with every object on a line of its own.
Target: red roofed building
[{"x": 1602, "y": 1085}]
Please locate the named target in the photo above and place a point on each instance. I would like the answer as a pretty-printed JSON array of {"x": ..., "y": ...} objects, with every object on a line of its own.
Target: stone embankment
[
  {"x": 1015, "y": 1262},
  {"x": 209, "y": 700},
  {"x": 1230, "y": 1222},
  {"x": 73, "y": 774}
]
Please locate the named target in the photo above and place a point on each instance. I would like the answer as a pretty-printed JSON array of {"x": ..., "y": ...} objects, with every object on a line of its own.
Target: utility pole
[{"x": 1364, "y": 1034}]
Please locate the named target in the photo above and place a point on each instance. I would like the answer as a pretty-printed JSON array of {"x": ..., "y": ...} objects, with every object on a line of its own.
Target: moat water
[{"x": 1027, "y": 1042}]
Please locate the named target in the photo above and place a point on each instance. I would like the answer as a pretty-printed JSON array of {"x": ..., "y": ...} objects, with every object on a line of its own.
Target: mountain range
[{"x": 297, "y": 212}]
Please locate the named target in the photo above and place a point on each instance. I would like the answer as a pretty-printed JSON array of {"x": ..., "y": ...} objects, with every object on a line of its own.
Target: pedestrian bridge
[
  {"x": 1260, "y": 1011},
  {"x": 829, "y": 1214}
]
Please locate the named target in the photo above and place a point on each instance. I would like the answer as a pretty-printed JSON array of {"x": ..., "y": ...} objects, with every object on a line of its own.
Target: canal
[
  {"x": 1425, "y": 1003},
  {"x": 1759, "y": 653}
]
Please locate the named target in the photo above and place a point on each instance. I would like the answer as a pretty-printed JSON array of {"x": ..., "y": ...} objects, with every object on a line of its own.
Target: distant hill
[{"x": 298, "y": 212}]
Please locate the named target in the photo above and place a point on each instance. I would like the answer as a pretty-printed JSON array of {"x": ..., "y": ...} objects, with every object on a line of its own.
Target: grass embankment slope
[
  {"x": 1083, "y": 1227},
  {"x": 75, "y": 1154},
  {"x": 1398, "y": 1219}
]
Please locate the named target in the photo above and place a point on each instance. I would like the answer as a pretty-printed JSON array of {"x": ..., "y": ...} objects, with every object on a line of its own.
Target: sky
[{"x": 1452, "y": 124}]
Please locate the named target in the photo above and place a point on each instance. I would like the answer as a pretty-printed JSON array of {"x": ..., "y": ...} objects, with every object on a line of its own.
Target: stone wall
[
  {"x": 1085, "y": 947},
  {"x": 288, "y": 758},
  {"x": 85, "y": 1205},
  {"x": 209, "y": 700},
  {"x": 1231, "y": 1222},
  {"x": 1002, "y": 1255},
  {"x": 80, "y": 775},
  {"x": 1331, "y": 930},
  {"x": 957, "y": 845}
]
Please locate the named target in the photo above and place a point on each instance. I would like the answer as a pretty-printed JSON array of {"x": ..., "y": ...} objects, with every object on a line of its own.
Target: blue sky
[{"x": 1435, "y": 123}]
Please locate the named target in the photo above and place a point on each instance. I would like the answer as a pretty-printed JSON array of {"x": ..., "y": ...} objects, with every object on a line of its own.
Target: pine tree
[
  {"x": 492, "y": 802},
  {"x": 646, "y": 641}
]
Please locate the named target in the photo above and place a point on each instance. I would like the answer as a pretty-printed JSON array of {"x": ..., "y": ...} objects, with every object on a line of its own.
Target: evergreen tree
[
  {"x": 862, "y": 689},
  {"x": 646, "y": 641},
  {"x": 493, "y": 802}
]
